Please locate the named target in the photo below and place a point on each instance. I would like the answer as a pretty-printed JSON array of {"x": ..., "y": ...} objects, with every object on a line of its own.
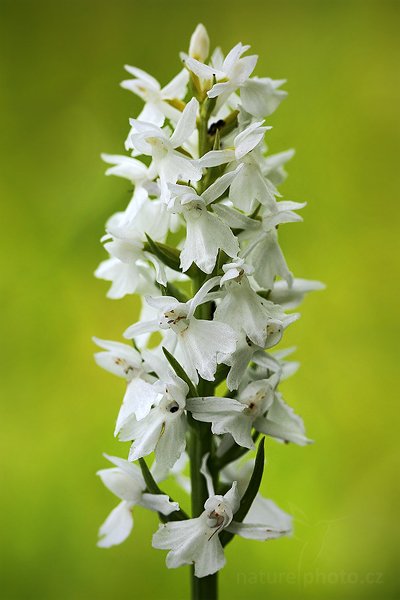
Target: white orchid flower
[
  {"x": 200, "y": 341},
  {"x": 150, "y": 217},
  {"x": 250, "y": 186},
  {"x": 264, "y": 242},
  {"x": 231, "y": 75},
  {"x": 126, "y": 278},
  {"x": 246, "y": 349},
  {"x": 240, "y": 298},
  {"x": 162, "y": 429},
  {"x": 257, "y": 406},
  {"x": 143, "y": 391},
  {"x": 139, "y": 398},
  {"x": 127, "y": 483},
  {"x": 280, "y": 213},
  {"x": 290, "y": 297},
  {"x": 138, "y": 174},
  {"x": 262, "y": 326},
  {"x": 273, "y": 166},
  {"x": 127, "y": 167},
  {"x": 206, "y": 233},
  {"x": 138, "y": 371},
  {"x": 236, "y": 416},
  {"x": 128, "y": 267},
  {"x": 264, "y": 521},
  {"x": 168, "y": 163},
  {"x": 196, "y": 541},
  {"x": 158, "y": 101},
  {"x": 282, "y": 423},
  {"x": 119, "y": 359},
  {"x": 264, "y": 364},
  {"x": 260, "y": 96},
  {"x": 265, "y": 271}
]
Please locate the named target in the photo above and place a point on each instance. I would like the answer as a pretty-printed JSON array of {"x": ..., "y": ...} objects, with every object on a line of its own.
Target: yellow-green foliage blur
[{"x": 61, "y": 63}]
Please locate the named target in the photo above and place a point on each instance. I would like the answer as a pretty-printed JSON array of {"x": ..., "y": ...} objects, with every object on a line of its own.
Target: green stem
[
  {"x": 201, "y": 436},
  {"x": 200, "y": 442},
  {"x": 205, "y": 588}
]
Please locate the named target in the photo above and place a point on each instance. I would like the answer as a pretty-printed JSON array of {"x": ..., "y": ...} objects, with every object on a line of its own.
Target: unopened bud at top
[{"x": 199, "y": 43}]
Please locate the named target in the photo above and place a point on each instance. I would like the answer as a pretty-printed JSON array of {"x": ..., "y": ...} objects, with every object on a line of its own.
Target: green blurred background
[{"x": 61, "y": 63}]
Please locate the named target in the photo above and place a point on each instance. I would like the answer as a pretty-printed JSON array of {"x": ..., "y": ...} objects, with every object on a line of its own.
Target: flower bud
[{"x": 199, "y": 43}]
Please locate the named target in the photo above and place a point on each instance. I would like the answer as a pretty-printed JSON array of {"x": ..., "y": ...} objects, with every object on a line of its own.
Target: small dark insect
[{"x": 214, "y": 127}]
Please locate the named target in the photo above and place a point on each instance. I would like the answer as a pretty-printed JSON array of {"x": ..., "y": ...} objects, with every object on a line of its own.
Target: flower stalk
[{"x": 199, "y": 244}]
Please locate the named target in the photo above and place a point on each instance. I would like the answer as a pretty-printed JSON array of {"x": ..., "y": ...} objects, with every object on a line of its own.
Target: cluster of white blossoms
[{"x": 198, "y": 242}]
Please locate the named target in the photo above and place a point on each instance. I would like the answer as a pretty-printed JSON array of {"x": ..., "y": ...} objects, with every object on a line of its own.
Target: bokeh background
[{"x": 61, "y": 63}]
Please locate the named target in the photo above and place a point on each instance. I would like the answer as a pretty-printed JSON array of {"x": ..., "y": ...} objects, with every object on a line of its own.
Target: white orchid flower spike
[{"x": 197, "y": 241}]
